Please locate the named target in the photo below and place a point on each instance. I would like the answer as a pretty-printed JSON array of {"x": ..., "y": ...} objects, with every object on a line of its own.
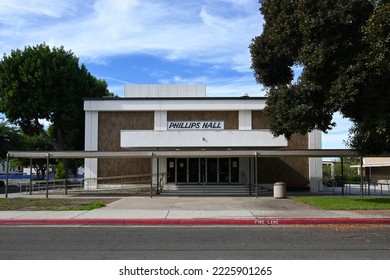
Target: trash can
[{"x": 279, "y": 190}]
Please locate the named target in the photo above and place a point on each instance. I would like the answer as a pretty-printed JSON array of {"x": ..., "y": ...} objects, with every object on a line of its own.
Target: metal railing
[
  {"x": 366, "y": 187},
  {"x": 115, "y": 182},
  {"x": 244, "y": 180},
  {"x": 99, "y": 184}
]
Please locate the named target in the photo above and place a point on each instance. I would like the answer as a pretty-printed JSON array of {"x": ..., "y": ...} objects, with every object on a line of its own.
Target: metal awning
[
  {"x": 184, "y": 153},
  {"x": 192, "y": 153}
]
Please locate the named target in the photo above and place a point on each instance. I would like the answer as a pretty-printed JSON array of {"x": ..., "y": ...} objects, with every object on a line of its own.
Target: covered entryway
[
  {"x": 203, "y": 170},
  {"x": 157, "y": 172}
]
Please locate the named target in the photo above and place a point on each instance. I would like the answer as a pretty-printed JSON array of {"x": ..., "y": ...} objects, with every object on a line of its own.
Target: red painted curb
[{"x": 188, "y": 221}]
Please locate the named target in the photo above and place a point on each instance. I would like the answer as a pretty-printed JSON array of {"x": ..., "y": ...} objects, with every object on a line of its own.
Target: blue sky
[{"x": 149, "y": 41}]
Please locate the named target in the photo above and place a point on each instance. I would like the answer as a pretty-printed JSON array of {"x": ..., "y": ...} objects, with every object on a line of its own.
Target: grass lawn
[
  {"x": 346, "y": 203},
  {"x": 51, "y": 204}
]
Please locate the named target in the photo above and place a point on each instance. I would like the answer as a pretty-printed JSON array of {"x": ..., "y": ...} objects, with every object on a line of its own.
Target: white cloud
[
  {"x": 21, "y": 9},
  {"x": 231, "y": 87},
  {"x": 94, "y": 30}
]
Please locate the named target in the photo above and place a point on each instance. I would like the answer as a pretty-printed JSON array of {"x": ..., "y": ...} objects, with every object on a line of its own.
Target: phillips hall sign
[{"x": 195, "y": 125}]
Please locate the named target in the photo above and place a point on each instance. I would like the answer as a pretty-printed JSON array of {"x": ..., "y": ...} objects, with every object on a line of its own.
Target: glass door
[
  {"x": 224, "y": 170},
  {"x": 171, "y": 170},
  {"x": 181, "y": 170},
  {"x": 193, "y": 172},
  {"x": 234, "y": 170},
  {"x": 202, "y": 172},
  {"x": 212, "y": 170}
]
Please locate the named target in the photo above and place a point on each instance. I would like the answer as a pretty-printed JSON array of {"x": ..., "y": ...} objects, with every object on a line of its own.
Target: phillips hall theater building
[{"x": 199, "y": 140}]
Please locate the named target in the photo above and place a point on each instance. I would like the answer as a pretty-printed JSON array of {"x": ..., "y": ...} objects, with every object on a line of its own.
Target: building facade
[
  {"x": 376, "y": 168},
  {"x": 12, "y": 170},
  {"x": 181, "y": 119}
]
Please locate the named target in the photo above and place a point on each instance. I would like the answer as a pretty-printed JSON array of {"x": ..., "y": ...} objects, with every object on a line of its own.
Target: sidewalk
[{"x": 196, "y": 211}]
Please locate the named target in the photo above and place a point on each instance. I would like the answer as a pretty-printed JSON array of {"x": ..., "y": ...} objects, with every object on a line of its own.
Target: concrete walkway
[{"x": 197, "y": 211}]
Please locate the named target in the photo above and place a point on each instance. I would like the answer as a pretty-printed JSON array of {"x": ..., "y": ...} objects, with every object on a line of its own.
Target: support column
[
  {"x": 256, "y": 174},
  {"x": 315, "y": 164},
  {"x": 6, "y": 177},
  {"x": 158, "y": 176},
  {"x": 151, "y": 175},
  {"x": 47, "y": 175},
  {"x": 250, "y": 176},
  {"x": 342, "y": 183},
  {"x": 30, "y": 176},
  {"x": 361, "y": 176},
  {"x": 91, "y": 144}
]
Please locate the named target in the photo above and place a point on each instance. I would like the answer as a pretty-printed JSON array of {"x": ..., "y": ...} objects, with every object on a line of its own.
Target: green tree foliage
[
  {"x": 10, "y": 139},
  {"x": 38, "y": 143},
  {"x": 342, "y": 170},
  {"x": 47, "y": 84},
  {"x": 343, "y": 48},
  {"x": 33, "y": 143}
]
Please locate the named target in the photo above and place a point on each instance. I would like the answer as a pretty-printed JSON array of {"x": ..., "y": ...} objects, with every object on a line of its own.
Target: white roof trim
[
  {"x": 184, "y": 153},
  {"x": 184, "y": 104}
]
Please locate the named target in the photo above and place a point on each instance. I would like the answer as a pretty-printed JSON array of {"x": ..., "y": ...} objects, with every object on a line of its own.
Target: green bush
[
  {"x": 353, "y": 179},
  {"x": 60, "y": 170}
]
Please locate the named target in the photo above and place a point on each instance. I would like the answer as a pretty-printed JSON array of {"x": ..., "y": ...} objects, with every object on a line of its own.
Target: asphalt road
[{"x": 263, "y": 242}]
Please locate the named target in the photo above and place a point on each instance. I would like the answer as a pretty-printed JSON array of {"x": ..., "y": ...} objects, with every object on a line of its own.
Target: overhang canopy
[{"x": 184, "y": 153}]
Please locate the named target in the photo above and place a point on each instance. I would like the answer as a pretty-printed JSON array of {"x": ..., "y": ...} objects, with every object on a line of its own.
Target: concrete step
[{"x": 207, "y": 190}]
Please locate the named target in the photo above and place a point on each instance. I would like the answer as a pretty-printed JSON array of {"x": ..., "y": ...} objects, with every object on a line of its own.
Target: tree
[
  {"x": 32, "y": 143},
  {"x": 39, "y": 85},
  {"x": 343, "y": 48},
  {"x": 38, "y": 143},
  {"x": 10, "y": 139}
]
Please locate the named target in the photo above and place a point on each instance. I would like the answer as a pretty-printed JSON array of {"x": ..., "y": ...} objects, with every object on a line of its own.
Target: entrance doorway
[{"x": 203, "y": 170}]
